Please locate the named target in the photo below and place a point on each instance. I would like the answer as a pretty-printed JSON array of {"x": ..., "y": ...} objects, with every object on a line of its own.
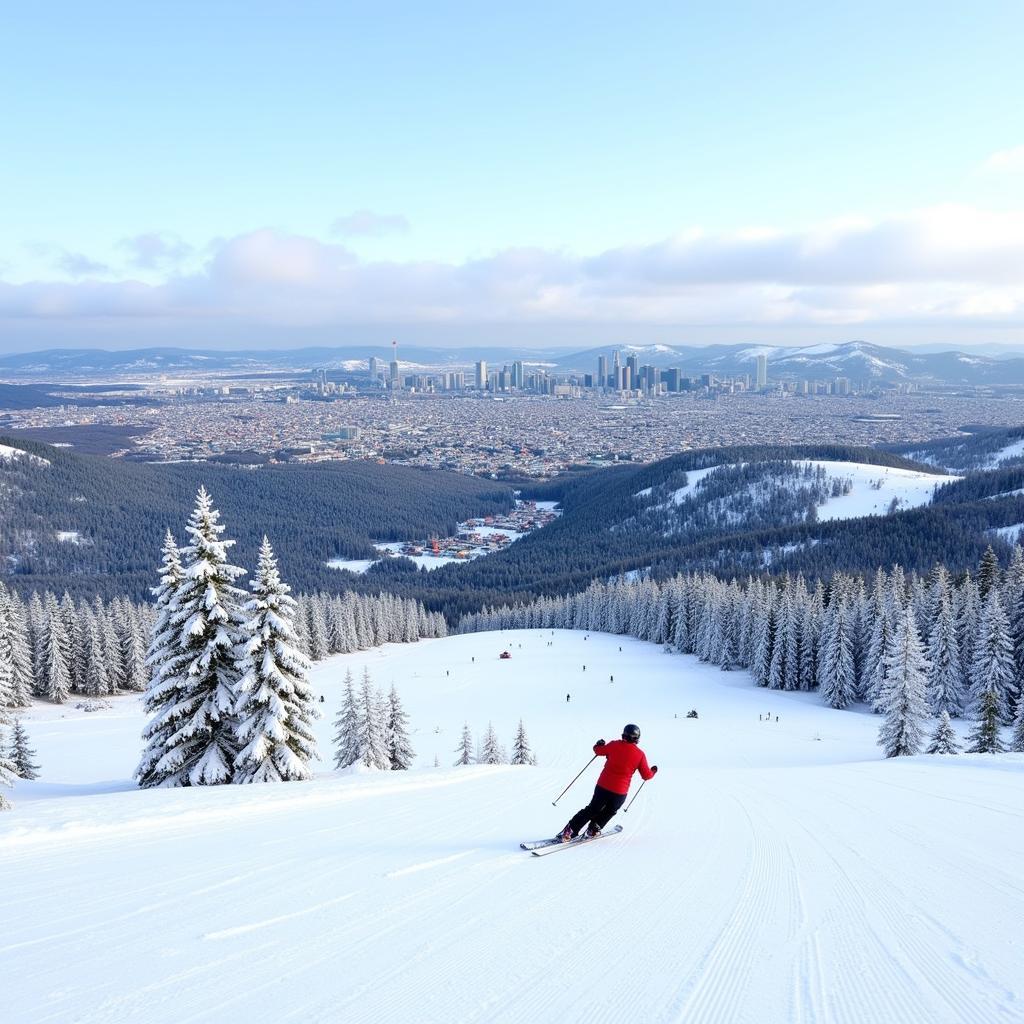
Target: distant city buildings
[{"x": 762, "y": 372}]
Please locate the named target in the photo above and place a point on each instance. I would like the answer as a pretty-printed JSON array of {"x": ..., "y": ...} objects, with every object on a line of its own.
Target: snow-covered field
[
  {"x": 909, "y": 488},
  {"x": 775, "y": 870}
]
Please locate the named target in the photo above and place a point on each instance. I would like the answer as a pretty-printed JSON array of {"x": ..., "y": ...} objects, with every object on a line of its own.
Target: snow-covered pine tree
[
  {"x": 945, "y": 739},
  {"x": 1017, "y": 742},
  {"x": 988, "y": 573},
  {"x": 399, "y": 747},
  {"x": 97, "y": 679},
  {"x": 57, "y": 682},
  {"x": 835, "y": 663},
  {"x": 200, "y": 668},
  {"x": 764, "y": 643},
  {"x": 316, "y": 628},
  {"x": 945, "y": 674},
  {"x": 14, "y": 649},
  {"x": 373, "y": 751},
  {"x": 21, "y": 754},
  {"x": 491, "y": 751},
  {"x": 134, "y": 645},
  {"x": 465, "y": 747},
  {"x": 521, "y": 753},
  {"x": 968, "y": 618},
  {"x": 992, "y": 670},
  {"x": 903, "y": 701},
  {"x": 162, "y": 691},
  {"x": 7, "y": 771},
  {"x": 275, "y": 709},
  {"x": 984, "y": 737},
  {"x": 346, "y": 726},
  {"x": 6, "y": 676}
]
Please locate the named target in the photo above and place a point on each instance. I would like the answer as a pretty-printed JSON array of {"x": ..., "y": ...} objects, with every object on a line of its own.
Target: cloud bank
[{"x": 941, "y": 265}]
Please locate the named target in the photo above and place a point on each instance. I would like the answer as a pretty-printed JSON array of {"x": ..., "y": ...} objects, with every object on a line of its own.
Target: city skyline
[{"x": 775, "y": 174}]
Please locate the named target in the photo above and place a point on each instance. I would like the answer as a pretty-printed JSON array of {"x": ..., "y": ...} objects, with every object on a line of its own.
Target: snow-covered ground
[
  {"x": 774, "y": 871},
  {"x": 910, "y": 488},
  {"x": 1014, "y": 450},
  {"x": 9, "y": 454}
]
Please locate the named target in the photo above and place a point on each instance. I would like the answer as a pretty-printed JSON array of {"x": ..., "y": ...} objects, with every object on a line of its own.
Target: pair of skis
[{"x": 542, "y": 847}]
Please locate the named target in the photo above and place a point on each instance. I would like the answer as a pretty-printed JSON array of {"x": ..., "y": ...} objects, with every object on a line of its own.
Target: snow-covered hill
[{"x": 776, "y": 870}]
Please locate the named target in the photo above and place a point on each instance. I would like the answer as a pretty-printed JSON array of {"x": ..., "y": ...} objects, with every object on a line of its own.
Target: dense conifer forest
[
  {"x": 756, "y": 515},
  {"x": 119, "y": 511}
]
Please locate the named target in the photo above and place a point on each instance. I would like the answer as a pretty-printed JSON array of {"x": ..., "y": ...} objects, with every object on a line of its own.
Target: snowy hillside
[
  {"x": 776, "y": 492},
  {"x": 9, "y": 454},
  {"x": 776, "y": 870}
]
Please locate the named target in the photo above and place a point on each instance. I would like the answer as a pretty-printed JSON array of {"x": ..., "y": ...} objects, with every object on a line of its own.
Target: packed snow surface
[{"x": 776, "y": 870}]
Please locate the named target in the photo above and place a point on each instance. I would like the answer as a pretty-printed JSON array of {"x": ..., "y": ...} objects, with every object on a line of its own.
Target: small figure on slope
[{"x": 624, "y": 757}]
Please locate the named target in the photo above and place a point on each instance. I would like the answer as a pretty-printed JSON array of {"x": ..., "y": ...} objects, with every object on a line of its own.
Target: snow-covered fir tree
[
  {"x": 53, "y": 660},
  {"x": 399, "y": 746},
  {"x": 944, "y": 741},
  {"x": 14, "y": 652},
  {"x": 465, "y": 747},
  {"x": 992, "y": 669},
  {"x": 199, "y": 671},
  {"x": 903, "y": 700},
  {"x": 491, "y": 751},
  {"x": 162, "y": 689},
  {"x": 346, "y": 726},
  {"x": 984, "y": 737},
  {"x": 1017, "y": 742},
  {"x": 373, "y": 751},
  {"x": 521, "y": 752},
  {"x": 8, "y": 771},
  {"x": 275, "y": 709},
  {"x": 835, "y": 665},
  {"x": 945, "y": 673},
  {"x": 21, "y": 755}
]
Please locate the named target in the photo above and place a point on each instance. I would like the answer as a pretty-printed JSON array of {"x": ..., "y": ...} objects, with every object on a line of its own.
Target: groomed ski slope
[{"x": 772, "y": 872}]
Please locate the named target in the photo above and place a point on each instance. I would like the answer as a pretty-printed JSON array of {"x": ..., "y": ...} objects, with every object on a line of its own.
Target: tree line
[{"x": 909, "y": 646}]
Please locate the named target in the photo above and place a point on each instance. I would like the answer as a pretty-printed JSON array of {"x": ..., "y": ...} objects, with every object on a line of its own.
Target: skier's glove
[
  {"x": 600, "y": 743},
  {"x": 654, "y": 769}
]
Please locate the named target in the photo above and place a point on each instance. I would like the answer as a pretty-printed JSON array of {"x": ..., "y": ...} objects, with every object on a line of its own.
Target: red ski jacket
[{"x": 623, "y": 759}]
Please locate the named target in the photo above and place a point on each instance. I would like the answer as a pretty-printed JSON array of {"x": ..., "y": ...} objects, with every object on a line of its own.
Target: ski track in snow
[{"x": 764, "y": 877}]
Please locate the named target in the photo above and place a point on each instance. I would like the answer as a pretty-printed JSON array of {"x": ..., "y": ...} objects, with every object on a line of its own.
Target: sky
[{"x": 265, "y": 174}]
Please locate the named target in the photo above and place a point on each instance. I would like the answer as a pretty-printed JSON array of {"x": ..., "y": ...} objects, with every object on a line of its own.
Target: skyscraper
[
  {"x": 602, "y": 371},
  {"x": 517, "y": 374},
  {"x": 762, "y": 371},
  {"x": 481, "y": 375}
]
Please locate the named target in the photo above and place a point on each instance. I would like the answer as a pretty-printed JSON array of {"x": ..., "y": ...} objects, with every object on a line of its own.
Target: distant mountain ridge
[{"x": 857, "y": 360}]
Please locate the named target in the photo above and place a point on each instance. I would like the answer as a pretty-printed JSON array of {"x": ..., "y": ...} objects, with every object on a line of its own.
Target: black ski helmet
[{"x": 631, "y": 733}]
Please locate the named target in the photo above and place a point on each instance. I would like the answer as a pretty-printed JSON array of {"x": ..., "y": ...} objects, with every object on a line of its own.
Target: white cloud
[
  {"x": 937, "y": 265},
  {"x": 155, "y": 250},
  {"x": 1006, "y": 161},
  {"x": 369, "y": 224}
]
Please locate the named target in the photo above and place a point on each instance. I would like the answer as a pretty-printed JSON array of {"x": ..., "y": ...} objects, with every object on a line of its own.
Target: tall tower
[
  {"x": 602, "y": 371},
  {"x": 481, "y": 375},
  {"x": 762, "y": 371}
]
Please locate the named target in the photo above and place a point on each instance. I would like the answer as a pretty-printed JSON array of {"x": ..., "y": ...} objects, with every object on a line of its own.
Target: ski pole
[
  {"x": 635, "y": 795},
  {"x": 554, "y": 803}
]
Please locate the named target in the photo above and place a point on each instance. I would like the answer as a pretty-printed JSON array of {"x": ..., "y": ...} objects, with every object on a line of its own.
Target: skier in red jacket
[{"x": 623, "y": 758}]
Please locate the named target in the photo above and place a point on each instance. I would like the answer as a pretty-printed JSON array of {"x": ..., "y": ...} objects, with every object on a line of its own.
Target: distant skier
[
  {"x": 567, "y": 698},
  {"x": 624, "y": 757}
]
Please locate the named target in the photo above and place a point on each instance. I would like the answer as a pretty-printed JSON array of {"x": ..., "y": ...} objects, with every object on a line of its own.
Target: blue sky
[{"x": 202, "y": 173}]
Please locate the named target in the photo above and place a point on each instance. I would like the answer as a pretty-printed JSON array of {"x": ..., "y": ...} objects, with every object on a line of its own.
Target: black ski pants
[{"x": 602, "y": 808}]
